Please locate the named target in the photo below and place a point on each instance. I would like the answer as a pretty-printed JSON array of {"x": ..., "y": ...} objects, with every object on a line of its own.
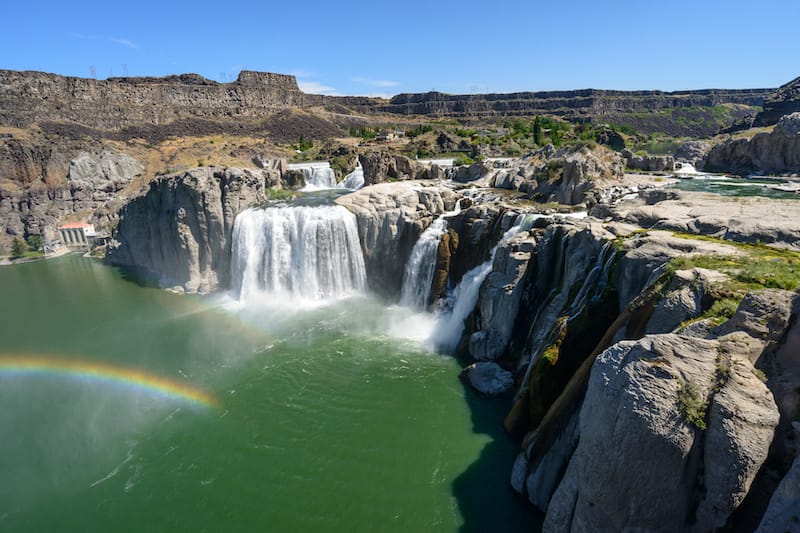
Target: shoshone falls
[{"x": 293, "y": 402}]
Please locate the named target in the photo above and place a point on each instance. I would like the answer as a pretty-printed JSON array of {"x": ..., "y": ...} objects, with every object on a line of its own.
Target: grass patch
[
  {"x": 691, "y": 405},
  {"x": 759, "y": 267}
]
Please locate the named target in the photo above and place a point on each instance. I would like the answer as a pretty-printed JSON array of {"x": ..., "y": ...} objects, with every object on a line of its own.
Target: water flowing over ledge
[
  {"x": 420, "y": 266},
  {"x": 310, "y": 253}
]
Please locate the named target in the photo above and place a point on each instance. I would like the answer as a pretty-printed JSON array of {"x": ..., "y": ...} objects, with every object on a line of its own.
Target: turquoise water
[
  {"x": 327, "y": 418},
  {"x": 730, "y": 186}
]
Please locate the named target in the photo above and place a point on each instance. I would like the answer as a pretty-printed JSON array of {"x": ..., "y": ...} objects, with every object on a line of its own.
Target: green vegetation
[
  {"x": 550, "y": 354},
  {"x": 691, "y": 404},
  {"x": 721, "y": 310},
  {"x": 34, "y": 243},
  {"x": 757, "y": 267},
  {"x": 17, "y": 248}
]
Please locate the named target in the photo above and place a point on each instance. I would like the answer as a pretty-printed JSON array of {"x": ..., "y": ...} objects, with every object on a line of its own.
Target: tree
[
  {"x": 17, "y": 248},
  {"x": 538, "y": 135},
  {"x": 35, "y": 242}
]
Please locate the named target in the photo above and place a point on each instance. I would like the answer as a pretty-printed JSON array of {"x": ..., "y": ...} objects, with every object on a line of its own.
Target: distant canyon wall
[{"x": 116, "y": 103}]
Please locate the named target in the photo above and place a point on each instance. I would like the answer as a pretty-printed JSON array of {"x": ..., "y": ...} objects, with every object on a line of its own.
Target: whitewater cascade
[
  {"x": 354, "y": 180},
  {"x": 318, "y": 175},
  {"x": 421, "y": 264},
  {"x": 450, "y": 325},
  {"x": 310, "y": 253}
]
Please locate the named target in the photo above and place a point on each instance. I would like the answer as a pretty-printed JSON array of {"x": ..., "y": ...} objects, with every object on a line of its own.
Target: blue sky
[{"x": 382, "y": 48}]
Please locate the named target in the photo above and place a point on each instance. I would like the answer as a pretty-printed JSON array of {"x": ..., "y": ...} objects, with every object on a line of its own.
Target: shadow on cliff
[{"x": 483, "y": 491}]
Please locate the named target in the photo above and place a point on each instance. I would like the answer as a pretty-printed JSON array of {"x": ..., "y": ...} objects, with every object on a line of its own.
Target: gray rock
[
  {"x": 391, "y": 216},
  {"x": 488, "y": 378},
  {"x": 500, "y": 297},
  {"x": 783, "y": 513},
  {"x": 774, "y": 152},
  {"x": 634, "y": 438},
  {"x": 178, "y": 232}
]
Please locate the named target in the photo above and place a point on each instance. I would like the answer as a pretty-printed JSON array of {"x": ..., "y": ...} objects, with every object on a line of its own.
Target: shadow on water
[{"x": 483, "y": 491}]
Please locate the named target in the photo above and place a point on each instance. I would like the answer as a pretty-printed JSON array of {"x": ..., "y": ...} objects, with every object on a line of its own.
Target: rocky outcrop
[
  {"x": 178, "y": 233},
  {"x": 391, "y": 217},
  {"x": 705, "y": 214},
  {"x": 784, "y": 101},
  {"x": 693, "y": 152},
  {"x": 635, "y": 437},
  {"x": 777, "y": 152},
  {"x": 649, "y": 163},
  {"x": 500, "y": 298},
  {"x": 383, "y": 166},
  {"x": 567, "y": 176}
]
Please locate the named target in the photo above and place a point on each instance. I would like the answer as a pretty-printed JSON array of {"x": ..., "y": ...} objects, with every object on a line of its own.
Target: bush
[
  {"x": 35, "y": 242},
  {"x": 691, "y": 405}
]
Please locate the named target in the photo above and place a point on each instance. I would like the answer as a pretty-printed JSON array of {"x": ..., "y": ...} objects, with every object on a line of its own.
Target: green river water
[{"x": 326, "y": 419}]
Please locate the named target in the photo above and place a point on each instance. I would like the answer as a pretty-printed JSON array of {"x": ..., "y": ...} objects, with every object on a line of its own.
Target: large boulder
[
  {"x": 693, "y": 152},
  {"x": 488, "y": 378}
]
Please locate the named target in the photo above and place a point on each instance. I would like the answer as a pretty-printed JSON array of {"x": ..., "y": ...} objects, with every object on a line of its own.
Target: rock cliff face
[
  {"x": 588, "y": 101},
  {"x": 784, "y": 101},
  {"x": 178, "y": 233},
  {"x": 116, "y": 103},
  {"x": 59, "y": 182},
  {"x": 618, "y": 381},
  {"x": 777, "y": 152}
]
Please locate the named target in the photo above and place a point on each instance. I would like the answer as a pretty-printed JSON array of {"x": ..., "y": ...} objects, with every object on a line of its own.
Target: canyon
[{"x": 632, "y": 329}]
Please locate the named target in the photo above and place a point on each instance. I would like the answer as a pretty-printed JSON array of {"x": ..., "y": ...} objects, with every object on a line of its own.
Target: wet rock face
[{"x": 178, "y": 233}]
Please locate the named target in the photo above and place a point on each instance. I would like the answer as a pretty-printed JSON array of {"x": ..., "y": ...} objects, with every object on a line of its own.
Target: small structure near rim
[{"x": 77, "y": 234}]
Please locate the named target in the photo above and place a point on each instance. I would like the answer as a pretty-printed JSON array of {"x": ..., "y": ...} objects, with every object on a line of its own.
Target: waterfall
[
  {"x": 421, "y": 264},
  {"x": 318, "y": 175},
  {"x": 450, "y": 325},
  {"x": 354, "y": 180},
  {"x": 296, "y": 252}
]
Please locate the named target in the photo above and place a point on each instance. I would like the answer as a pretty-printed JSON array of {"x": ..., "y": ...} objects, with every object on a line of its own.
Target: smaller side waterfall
[
  {"x": 318, "y": 175},
  {"x": 418, "y": 274},
  {"x": 450, "y": 325},
  {"x": 310, "y": 253},
  {"x": 354, "y": 180}
]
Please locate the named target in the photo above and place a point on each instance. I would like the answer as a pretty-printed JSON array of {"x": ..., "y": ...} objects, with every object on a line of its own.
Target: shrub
[{"x": 691, "y": 405}]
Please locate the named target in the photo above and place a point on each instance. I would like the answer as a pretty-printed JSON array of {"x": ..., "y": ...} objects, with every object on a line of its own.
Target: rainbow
[{"x": 11, "y": 365}]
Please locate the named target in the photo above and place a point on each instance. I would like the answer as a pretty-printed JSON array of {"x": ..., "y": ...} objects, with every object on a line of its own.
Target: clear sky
[{"x": 381, "y": 48}]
